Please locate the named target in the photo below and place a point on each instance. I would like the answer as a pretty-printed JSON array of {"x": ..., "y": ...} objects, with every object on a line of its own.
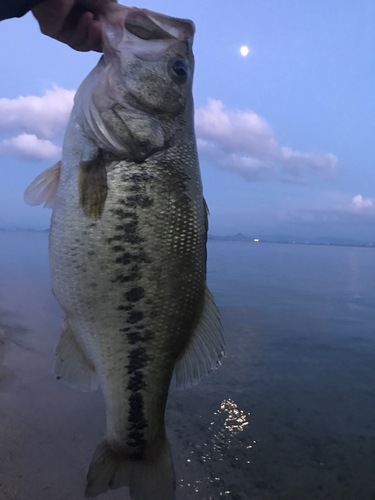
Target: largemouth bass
[{"x": 127, "y": 246}]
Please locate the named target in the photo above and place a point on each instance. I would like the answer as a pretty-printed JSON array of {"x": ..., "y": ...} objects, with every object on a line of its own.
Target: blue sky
[{"x": 286, "y": 135}]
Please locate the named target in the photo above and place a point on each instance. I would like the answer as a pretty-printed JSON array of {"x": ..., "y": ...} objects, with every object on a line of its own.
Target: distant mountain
[
  {"x": 275, "y": 238},
  {"x": 288, "y": 239},
  {"x": 240, "y": 237},
  {"x": 335, "y": 241},
  {"x": 236, "y": 237}
]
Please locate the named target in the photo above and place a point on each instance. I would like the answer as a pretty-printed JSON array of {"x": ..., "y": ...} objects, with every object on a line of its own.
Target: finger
[
  {"x": 74, "y": 22},
  {"x": 94, "y": 5},
  {"x": 87, "y": 35},
  {"x": 95, "y": 41},
  {"x": 76, "y": 30},
  {"x": 51, "y": 15}
]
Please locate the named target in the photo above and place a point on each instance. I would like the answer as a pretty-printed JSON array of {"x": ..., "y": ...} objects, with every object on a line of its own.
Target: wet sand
[{"x": 291, "y": 418}]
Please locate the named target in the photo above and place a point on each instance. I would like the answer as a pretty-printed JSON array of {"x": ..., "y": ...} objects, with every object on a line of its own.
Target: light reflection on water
[
  {"x": 228, "y": 441},
  {"x": 236, "y": 419}
]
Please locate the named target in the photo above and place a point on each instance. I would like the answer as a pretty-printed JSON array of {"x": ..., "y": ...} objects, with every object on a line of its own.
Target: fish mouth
[
  {"x": 180, "y": 29},
  {"x": 138, "y": 27},
  {"x": 141, "y": 25}
]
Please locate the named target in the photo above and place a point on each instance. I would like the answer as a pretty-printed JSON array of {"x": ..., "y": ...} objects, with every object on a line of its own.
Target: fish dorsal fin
[
  {"x": 71, "y": 363},
  {"x": 43, "y": 189},
  {"x": 205, "y": 348}
]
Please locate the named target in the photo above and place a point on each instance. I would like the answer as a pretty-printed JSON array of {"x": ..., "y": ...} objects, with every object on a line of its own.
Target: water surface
[{"x": 289, "y": 415}]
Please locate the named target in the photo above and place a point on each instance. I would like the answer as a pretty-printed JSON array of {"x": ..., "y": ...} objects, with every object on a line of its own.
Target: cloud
[
  {"x": 336, "y": 211},
  {"x": 241, "y": 142},
  {"x": 360, "y": 204},
  {"x": 32, "y": 127},
  {"x": 30, "y": 147},
  {"x": 44, "y": 116},
  {"x": 244, "y": 143}
]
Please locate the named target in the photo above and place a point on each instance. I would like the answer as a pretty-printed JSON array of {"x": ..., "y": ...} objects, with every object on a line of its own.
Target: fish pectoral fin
[
  {"x": 72, "y": 364},
  {"x": 205, "y": 348},
  {"x": 92, "y": 187},
  {"x": 150, "y": 477},
  {"x": 43, "y": 189}
]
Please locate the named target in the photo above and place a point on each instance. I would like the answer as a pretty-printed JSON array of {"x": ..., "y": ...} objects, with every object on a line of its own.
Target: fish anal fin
[
  {"x": 149, "y": 477},
  {"x": 205, "y": 348},
  {"x": 92, "y": 186},
  {"x": 72, "y": 364},
  {"x": 43, "y": 189}
]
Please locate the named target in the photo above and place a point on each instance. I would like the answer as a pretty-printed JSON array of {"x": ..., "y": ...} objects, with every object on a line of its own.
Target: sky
[{"x": 286, "y": 135}]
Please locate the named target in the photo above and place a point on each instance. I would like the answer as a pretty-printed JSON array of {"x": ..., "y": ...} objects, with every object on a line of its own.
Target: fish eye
[
  {"x": 179, "y": 71},
  {"x": 180, "y": 68}
]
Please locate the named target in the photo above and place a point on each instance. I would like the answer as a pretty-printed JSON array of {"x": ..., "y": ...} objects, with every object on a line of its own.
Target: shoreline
[{"x": 245, "y": 239}]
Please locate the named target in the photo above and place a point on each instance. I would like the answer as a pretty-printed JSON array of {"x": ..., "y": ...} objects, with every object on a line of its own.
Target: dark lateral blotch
[
  {"x": 125, "y": 259},
  {"x": 135, "y": 316},
  {"x": 138, "y": 358},
  {"x": 135, "y": 294},
  {"x": 124, "y": 308},
  {"x": 134, "y": 337},
  {"x": 136, "y": 382}
]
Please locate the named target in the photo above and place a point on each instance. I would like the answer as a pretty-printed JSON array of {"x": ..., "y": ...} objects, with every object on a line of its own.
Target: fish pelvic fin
[
  {"x": 71, "y": 363},
  {"x": 43, "y": 189},
  {"x": 147, "y": 478},
  {"x": 205, "y": 348}
]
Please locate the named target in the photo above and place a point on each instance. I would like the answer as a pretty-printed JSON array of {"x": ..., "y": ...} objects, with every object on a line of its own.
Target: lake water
[{"x": 289, "y": 415}]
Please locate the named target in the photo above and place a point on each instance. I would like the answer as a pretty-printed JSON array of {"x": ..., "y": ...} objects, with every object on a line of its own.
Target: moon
[{"x": 244, "y": 50}]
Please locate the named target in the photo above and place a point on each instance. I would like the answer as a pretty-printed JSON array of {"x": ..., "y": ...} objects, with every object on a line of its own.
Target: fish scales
[
  {"x": 128, "y": 246},
  {"x": 149, "y": 240}
]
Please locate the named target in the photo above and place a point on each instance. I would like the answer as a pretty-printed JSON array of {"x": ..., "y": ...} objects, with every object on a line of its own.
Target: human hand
[{"x": 74, "y": 22}]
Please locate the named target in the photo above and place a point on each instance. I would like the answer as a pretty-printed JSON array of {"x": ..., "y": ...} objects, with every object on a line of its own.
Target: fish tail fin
[{"x": 150, "y": 478}]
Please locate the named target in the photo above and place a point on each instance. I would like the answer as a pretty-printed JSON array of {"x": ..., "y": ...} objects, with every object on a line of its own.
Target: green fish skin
[{"x": 128, "y": 246}]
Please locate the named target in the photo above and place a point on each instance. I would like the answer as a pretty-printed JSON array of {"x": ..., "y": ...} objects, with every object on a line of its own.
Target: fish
[{"x": 127, "y": 246}]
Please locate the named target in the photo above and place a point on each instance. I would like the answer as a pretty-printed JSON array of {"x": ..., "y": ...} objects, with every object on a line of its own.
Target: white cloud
[
  {"x": 359, "y": 204},
  {"x": 241, "y": 142},
  {"x": 45, "y": 116},
  {"x": 30, "y": 147},
  {"x": 36, "y": 124},
  {"x": 327, "y": 207},
  {"x": 244, "y": 143}
]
